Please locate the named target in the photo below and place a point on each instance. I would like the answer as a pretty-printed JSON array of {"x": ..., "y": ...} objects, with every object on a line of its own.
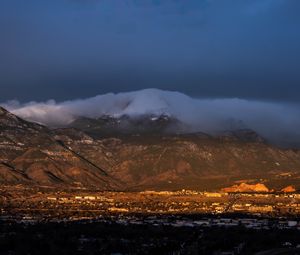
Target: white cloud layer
[{"x": 278, "y": 122}]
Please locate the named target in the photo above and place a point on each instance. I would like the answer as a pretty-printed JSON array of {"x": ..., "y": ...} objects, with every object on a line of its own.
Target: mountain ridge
[
  {"x": 40, "y": 158},
  {"x": 32, "y": 154}
]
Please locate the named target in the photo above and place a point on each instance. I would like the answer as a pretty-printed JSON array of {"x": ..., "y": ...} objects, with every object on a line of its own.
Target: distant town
[{"x": 21, "y": 203}]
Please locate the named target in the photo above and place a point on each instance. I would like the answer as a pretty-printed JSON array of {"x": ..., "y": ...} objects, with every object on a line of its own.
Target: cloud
[{"x": 278, "y": 122}]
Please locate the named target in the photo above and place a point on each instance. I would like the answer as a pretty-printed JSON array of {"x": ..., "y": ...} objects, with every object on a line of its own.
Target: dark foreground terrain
[{"x": 110, "y": 237}]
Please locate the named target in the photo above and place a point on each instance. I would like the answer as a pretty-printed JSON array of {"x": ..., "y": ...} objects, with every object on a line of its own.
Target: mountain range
[{"x": 145, "y": 152}]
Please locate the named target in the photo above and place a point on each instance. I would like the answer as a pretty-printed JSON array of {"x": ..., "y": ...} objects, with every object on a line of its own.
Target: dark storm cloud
[{"x": 66, "y": 49}]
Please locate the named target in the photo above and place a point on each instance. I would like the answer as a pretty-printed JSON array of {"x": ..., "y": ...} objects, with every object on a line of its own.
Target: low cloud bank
[{"x": 277, "y": 122}]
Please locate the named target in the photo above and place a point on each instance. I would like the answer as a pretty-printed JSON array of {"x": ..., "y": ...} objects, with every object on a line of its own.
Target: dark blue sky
[{"x": 64, "y": 49}]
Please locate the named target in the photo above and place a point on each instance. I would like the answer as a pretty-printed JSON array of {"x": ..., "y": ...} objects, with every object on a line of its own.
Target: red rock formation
[
  {"x": 288, "y": 189},
  {"x": 244, "y": 187}
]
